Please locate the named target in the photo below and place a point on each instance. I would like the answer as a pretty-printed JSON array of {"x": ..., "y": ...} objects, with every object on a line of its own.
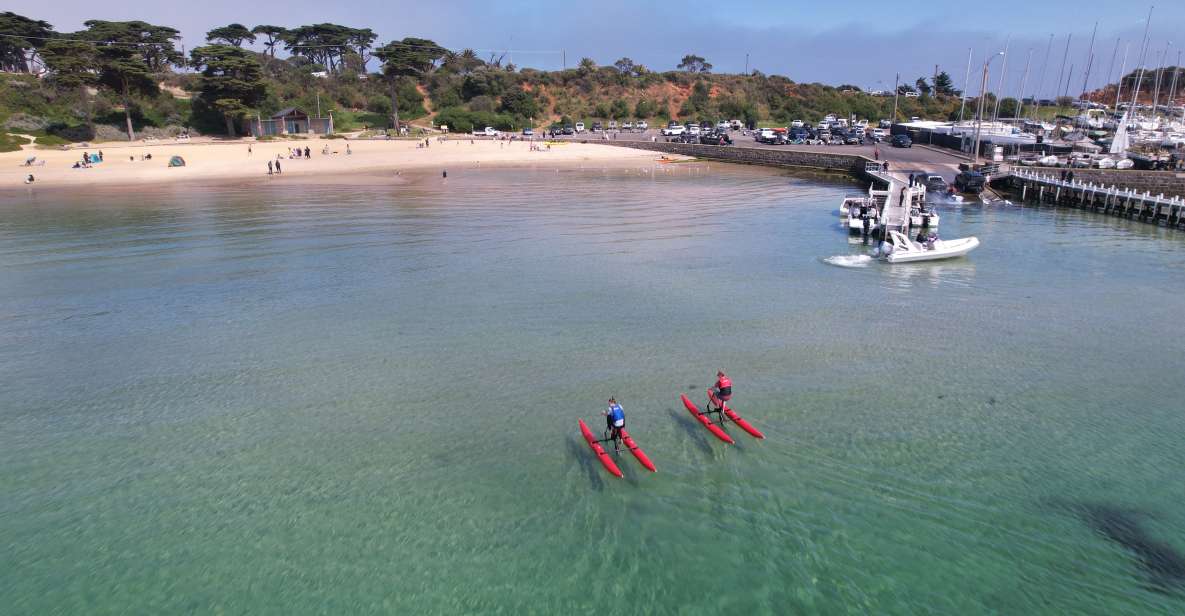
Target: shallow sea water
[{"x": 302, "y": 399}]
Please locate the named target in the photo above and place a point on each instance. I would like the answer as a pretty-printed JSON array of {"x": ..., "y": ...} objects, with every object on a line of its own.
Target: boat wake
[{"x": 849, "y": 260}]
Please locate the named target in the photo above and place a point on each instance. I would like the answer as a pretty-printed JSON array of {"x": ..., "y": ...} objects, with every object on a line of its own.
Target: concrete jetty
[{"x": 1040, "y": 187}]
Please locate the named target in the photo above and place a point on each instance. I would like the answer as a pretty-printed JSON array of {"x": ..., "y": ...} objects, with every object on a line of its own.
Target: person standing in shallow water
[
  {"x": 269, "y": 167},
  {"x": 278, "y": 167}
]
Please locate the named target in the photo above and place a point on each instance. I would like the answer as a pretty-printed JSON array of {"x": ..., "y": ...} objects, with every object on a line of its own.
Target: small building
[{"x": 290, "y": 121}]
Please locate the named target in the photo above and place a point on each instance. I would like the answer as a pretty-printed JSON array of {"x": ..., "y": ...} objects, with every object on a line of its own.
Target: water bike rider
[
  {"x": 614, "y": 422},
  {"x": 723, "y": 389}
]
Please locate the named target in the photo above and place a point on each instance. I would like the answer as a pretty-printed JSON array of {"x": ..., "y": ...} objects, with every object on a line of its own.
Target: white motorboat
[
  {"x": 923, "y": 219},
  {"x": 1106, "y": 163},
  {"x": 849, "y": 203},
  {"x": 901, "y": 249},
  {"x": 1126, "y": 163},
  {"x": 855, "y": 222}
]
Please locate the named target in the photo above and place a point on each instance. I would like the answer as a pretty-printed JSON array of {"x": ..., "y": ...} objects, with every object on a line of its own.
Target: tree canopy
[
  {"x": 22, "y": 38},
  {"x": 694, "y": 64},
  {"x": 274, "y": 36},
  {"x": 231, "y": 82},
  {"x": 234, "y": 34}
]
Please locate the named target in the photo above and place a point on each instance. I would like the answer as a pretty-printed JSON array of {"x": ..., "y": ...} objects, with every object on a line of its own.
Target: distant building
[{"x": 290, "y": 121}]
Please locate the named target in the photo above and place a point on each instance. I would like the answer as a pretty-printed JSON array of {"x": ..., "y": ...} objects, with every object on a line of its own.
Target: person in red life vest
[{"x": 723, "y": 388}]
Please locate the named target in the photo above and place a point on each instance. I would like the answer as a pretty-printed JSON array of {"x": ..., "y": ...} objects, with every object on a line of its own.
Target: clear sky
[{"x": 861, "y": 42}]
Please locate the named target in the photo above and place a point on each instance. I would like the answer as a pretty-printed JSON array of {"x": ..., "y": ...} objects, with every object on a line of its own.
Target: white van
[{"x": 580, "y": 127}]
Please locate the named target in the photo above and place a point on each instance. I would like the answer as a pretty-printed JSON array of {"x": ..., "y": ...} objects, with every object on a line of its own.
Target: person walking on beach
[
  {"x": 269, "y": 167},
  {"x": 278, "y": 166},
  {"x": 886, "y": 166},
  {"x": 348, "y": 152},
  {"x": 248, "y": 149},
  {"x": 100, "y": 155},
  {"x": 308, "y": 154}
]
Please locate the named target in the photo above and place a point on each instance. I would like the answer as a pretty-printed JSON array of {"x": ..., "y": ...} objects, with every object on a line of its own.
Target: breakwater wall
[{"x": 789, "y": 158}]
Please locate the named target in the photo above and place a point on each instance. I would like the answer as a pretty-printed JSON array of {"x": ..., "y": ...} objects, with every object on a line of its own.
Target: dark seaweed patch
[{"x": 1161, "y": 561}]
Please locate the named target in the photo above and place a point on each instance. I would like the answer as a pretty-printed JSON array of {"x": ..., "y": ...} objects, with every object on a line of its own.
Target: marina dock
[{"x": 1047, "y": 188}]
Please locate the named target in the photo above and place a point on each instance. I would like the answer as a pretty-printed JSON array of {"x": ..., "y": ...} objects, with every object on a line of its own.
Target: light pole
[
  {"x": 982, "y": 96},
  {"x": 896, "y": 86}
]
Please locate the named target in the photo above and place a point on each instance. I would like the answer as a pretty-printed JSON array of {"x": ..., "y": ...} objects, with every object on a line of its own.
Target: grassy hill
[{"x": 462, "y": 92}]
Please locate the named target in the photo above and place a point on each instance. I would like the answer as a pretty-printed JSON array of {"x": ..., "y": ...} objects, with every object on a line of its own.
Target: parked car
[
  {"x": 694, "y": 129},
  {"x": 580, "y": 127},
  {"x": 642, "y": 125},
  {"x": 596, "y": 127},
  {"x": 878, "y": 134},
  {"x": 902, "y": 141},
  {"x": 674, "y": 130},
  {"x": 970, "y": 182},
  {"x": 684, "y": 138},
  {"x": 612, "y": 124},
  {"x": 627, "y": 126},
  {"x": 854, "y": 138},
  {"x": 528, "y": 132},
  {"x": 885, "y": 124},
  {"x": 723, "y": 126},
  {"x": 766, "y": 135},
  {"x": 569, "y": 130},
  {"x": 736, "y": 125},
  {"x": 715, "y": 138},
  {"x": 935, "y": 183},
  {"x": 489, "y": 131}
]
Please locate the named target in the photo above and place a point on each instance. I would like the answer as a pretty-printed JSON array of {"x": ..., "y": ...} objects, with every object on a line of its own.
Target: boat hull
[
  {"x": 602, "y": 455},
  {"x": 734, "y": 418},
  {"x": 943, "y": 250},
  {"x": 713, "y": 428},
  {"x": 637, "y": 451}
]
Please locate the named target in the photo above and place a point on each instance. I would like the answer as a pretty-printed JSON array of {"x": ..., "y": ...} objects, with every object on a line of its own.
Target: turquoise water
[{"x": 303, "y": 399}]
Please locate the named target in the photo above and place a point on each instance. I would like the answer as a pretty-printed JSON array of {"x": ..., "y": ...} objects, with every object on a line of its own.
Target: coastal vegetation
[{"x": 117, "y": 80}]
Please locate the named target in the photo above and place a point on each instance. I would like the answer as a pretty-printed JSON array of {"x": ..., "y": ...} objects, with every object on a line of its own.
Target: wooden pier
[{"x": 1037, "y": 187}]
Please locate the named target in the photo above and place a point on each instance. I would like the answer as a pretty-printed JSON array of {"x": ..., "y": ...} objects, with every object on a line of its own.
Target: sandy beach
[{"x": 124, "y": 164}]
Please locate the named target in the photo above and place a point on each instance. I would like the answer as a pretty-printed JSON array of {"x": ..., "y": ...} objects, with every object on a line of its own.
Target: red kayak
[
  {"x": 602, "y": 455},
  {"x": 736, "y": 419},
  {"x": 713, "y": 428},
  {"x": 637, "y": 451}
]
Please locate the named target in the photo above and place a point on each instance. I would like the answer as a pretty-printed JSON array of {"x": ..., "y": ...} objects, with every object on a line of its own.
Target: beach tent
[
  {"x": 176, "y": 161},
  {"x": 94, "y": 158}
]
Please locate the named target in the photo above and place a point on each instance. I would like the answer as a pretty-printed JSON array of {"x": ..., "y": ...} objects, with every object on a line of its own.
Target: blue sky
[{"x": 860, "y": 42}]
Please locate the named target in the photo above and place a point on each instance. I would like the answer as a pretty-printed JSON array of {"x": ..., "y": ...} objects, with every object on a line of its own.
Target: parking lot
[{"x": 918, "y": 159}]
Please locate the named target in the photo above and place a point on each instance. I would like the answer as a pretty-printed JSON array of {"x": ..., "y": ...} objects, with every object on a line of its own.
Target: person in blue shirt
[{"x": 614, "y": 422}]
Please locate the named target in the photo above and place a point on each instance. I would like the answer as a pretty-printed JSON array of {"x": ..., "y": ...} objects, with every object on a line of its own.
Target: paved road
[{"x": 918, "y": 159}]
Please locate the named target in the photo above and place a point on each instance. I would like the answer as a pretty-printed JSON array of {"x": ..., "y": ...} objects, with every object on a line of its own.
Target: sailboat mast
[
  {"x": 1000, "y": 82},
  {"x": 966, "y": 82},
  {"x": 1041, "y": 87},
  {"x": 1089, "y": 60},
  {"x": 1062, "y": 73},
  {"x": 1024, "y": 82},
  {"x": 1123, "y": 69}
]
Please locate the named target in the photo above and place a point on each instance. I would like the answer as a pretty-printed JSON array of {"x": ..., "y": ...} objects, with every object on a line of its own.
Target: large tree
[
  {"x": 20, "y": 39},
  {"x": 274, "y": 36},
  {"x": 694, "y": 64},
  {"x": 411, "y": 57},
  {"x": 71, "y": 64},
  {"x": 234, "y": 34},
  {"x": 127, "y": 55},
  {"x": 943, "y": 85},
  {"x": 232, "y": 81}
]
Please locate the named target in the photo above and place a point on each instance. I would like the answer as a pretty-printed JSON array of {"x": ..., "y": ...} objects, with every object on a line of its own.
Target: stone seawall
[{"x": 844, "y": 163}]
